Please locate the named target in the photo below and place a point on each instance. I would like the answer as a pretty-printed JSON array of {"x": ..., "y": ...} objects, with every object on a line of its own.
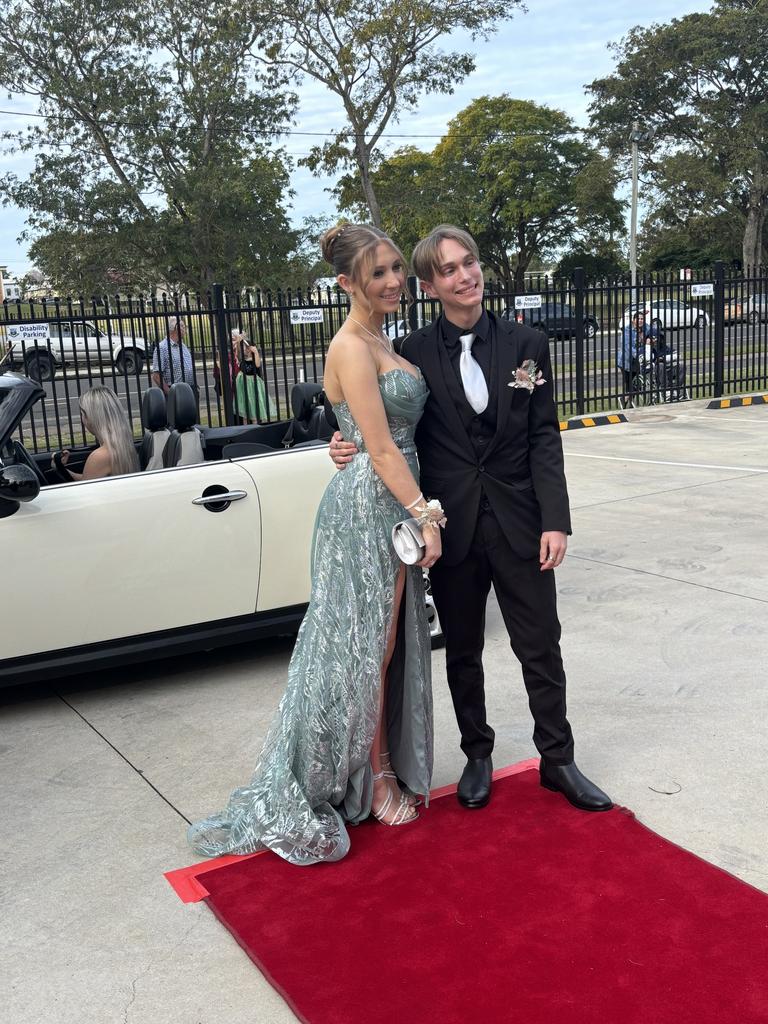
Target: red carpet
[{"x": 528, "y": 911}]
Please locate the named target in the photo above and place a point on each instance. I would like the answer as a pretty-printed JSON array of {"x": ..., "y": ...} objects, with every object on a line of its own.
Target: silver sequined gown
[{"x": 314, "y": 773}]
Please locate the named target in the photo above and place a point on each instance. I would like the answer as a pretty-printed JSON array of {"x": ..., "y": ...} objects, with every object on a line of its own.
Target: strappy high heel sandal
[
  {"x": 386, "y": 771},
  {"x": 404, "y": 812}
]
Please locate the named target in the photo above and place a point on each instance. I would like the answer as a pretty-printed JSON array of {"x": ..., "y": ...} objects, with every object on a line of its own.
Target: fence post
[
  {"x": 719, "y": 312},
  {"x": 223, "y": 348},
  {"x": 413, "y": 309},
  {"x": 578, "y": 287}
]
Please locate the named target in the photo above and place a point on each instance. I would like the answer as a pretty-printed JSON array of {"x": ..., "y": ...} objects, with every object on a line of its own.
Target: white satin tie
[{"x": 472, "y": 377}]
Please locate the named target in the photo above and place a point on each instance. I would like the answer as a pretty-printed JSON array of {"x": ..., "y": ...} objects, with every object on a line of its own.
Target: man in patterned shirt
[{"x": 172, "y": 360}]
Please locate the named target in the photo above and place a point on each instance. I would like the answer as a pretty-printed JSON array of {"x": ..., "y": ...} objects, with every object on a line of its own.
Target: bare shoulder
[
  {"x": 98, "y": 463},
  {"x": 348, "y": 349}
]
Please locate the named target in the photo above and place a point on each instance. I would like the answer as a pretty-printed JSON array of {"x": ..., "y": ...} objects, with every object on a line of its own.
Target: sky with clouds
[{"x": 546, "y": 55}]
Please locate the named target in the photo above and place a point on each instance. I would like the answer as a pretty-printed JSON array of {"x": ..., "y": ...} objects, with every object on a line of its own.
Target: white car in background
[
  {"x": 668, "y": 314},
  {"x": 40, "y": 349},
  {"x": 396, "y": 330},
  {"x": 757, "y": 308}
]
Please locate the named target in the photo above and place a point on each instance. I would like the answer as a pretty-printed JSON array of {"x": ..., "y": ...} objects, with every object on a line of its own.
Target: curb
[
  {"x": 733, "y": 403},
  {"x": 593, "y": 421}
]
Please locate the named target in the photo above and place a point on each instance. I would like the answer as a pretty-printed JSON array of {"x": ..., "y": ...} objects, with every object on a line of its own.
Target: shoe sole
[{"x": 573, "y": 803}]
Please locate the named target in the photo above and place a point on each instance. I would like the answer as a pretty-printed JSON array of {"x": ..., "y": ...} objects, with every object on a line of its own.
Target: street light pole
[{"x": 635, "y": 140}]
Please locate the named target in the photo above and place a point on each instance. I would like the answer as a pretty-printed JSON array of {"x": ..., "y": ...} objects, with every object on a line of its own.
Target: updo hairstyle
[{"x": 351, "y": 250}]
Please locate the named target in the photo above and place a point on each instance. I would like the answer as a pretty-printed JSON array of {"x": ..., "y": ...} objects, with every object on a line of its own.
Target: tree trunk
[
  {"x": 363, "y": 163},
  {"x": 524, "y": 254},
  {"x": 752, "y": 244}
]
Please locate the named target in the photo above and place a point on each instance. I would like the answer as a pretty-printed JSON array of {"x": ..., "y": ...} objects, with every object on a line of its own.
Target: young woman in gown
[{"x": 353, "y": 732}]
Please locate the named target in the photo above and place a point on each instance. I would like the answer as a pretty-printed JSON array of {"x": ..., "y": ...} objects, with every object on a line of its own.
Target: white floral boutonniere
[{"x": 527, "y": 376}]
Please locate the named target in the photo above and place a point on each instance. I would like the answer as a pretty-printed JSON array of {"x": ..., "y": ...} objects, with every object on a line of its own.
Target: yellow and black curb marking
[
  {"x": 732, "y": 403},
  {"x": 593, "y": 421}
]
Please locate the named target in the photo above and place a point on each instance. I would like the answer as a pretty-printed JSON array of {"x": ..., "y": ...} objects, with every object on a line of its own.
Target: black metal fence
[{"x": 716, "y": 322}]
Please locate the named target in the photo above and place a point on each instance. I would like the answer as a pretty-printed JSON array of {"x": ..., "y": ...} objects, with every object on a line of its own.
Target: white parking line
[{"x": 662, "y": 462}]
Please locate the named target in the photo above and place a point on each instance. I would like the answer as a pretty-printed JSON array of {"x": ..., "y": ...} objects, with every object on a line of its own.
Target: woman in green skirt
[{"x": 250, "y": 399}]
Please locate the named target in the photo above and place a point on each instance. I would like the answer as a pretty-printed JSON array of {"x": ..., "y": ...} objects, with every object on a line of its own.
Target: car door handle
[{"x": 218, "y": 499}]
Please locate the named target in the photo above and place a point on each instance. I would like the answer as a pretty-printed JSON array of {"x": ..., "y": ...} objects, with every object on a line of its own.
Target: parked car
[
  {"x": 121, "y": 569},
  {"x": 40, "y": 349},
  {"x": 757, "y": 308},
  {"x": 668, "y": 314},
  {"x": 556, "y": 319}
]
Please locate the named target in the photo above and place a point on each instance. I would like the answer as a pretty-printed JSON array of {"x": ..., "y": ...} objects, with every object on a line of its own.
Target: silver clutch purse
[{"x": 408, "y": 541}]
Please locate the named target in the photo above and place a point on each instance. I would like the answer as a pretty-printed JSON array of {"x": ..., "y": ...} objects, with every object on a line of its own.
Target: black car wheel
[
  {"x": 590, "y": 328},
  {"x": 39, "y": 366},
  {"x": 130, "y": 361},
  {"x": 700, "y": 322}
]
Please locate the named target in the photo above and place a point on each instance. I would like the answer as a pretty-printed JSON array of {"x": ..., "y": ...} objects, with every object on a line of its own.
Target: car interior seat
[
  {"x": 186, "y": 445},
  {"x": 154, "y": 416},
  {"x": 309, "y": 423}
]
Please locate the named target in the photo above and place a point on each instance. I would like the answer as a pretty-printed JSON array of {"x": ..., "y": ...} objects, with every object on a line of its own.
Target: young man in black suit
[{"x": 490, "y": 450}]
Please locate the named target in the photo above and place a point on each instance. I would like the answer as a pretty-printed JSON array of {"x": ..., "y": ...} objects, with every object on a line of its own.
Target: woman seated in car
[{"x": 104, "y": 417}]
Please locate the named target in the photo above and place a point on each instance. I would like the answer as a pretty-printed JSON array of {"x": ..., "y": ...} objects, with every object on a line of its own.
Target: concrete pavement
[{"x": 664, "y": 604}]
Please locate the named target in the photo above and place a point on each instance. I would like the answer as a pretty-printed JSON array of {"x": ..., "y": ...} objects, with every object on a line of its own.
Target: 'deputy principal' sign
[
  {"x": 527, "y": 301},
  {"x": 700, "y": 290},
  {"x": 312, "y": 315}
]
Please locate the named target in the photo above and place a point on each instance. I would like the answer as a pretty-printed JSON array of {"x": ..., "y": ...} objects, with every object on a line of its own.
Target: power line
[{"x": 332, "y": 134}]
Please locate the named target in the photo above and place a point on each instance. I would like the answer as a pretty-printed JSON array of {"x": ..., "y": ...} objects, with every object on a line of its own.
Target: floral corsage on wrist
[
  {"x": 430, "y": 514},
  {"x": 527, "y": 376}
]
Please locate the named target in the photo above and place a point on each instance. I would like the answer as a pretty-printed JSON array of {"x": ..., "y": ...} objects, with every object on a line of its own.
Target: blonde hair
[
  {"x": 426, "y": 255},
  {"x": 109, "y": 423},
  {"x": 351, "y": 250}
]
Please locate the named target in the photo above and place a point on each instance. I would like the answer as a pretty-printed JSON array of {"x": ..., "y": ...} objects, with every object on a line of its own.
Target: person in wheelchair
[{"x": 667, "y": 369}]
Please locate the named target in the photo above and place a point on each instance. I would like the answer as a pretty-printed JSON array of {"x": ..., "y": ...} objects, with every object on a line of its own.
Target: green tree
[
  {"x": 305, "y": 265},
  {"x": 701, "y": 82},
  {"x": 605, "y": 262},
  {"x": 690, "y": 221},
  {"x": 514, "y": 174},
  {"x": 151, "y": 149},
  {"x": 378, "y": 58},
  {"x": 406, "y": 185}
]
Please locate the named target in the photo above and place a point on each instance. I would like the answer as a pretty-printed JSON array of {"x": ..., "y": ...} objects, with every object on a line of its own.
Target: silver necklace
[{"x": 386, "y": 342}]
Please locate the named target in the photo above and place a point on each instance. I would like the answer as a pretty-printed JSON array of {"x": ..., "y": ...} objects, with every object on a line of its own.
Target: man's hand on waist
[{"x": 341, "y": 451}]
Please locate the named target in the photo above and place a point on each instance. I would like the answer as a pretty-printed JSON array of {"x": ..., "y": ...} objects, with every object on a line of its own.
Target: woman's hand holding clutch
[{"x": 434, "y": 547}]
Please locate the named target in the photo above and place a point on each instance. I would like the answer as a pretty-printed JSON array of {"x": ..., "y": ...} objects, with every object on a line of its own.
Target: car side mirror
[{"x": 17, "y": 484}]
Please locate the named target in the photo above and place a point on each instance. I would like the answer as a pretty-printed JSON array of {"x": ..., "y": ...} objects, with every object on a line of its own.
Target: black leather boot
[
  {"x": 475, "y": 783},
  {"x": 575, "y": 787}
]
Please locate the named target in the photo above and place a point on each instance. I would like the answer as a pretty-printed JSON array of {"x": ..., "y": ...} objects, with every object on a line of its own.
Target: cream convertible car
[{"x": 190, "y": 557}]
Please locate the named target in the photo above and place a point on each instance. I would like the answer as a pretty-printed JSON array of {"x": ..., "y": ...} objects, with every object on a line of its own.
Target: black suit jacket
[{"x": 520, "y": 472}]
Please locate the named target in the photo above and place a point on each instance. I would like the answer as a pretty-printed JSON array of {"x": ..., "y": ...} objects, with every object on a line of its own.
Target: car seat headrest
[
  {"x": 154, "y": 414},
  {"x": 304, "y": 399},
  {"x": 182, "y": 406}
]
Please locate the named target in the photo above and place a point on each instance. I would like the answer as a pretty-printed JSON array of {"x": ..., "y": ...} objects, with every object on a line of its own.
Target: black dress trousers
[{"x": 528, "y": 604}]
